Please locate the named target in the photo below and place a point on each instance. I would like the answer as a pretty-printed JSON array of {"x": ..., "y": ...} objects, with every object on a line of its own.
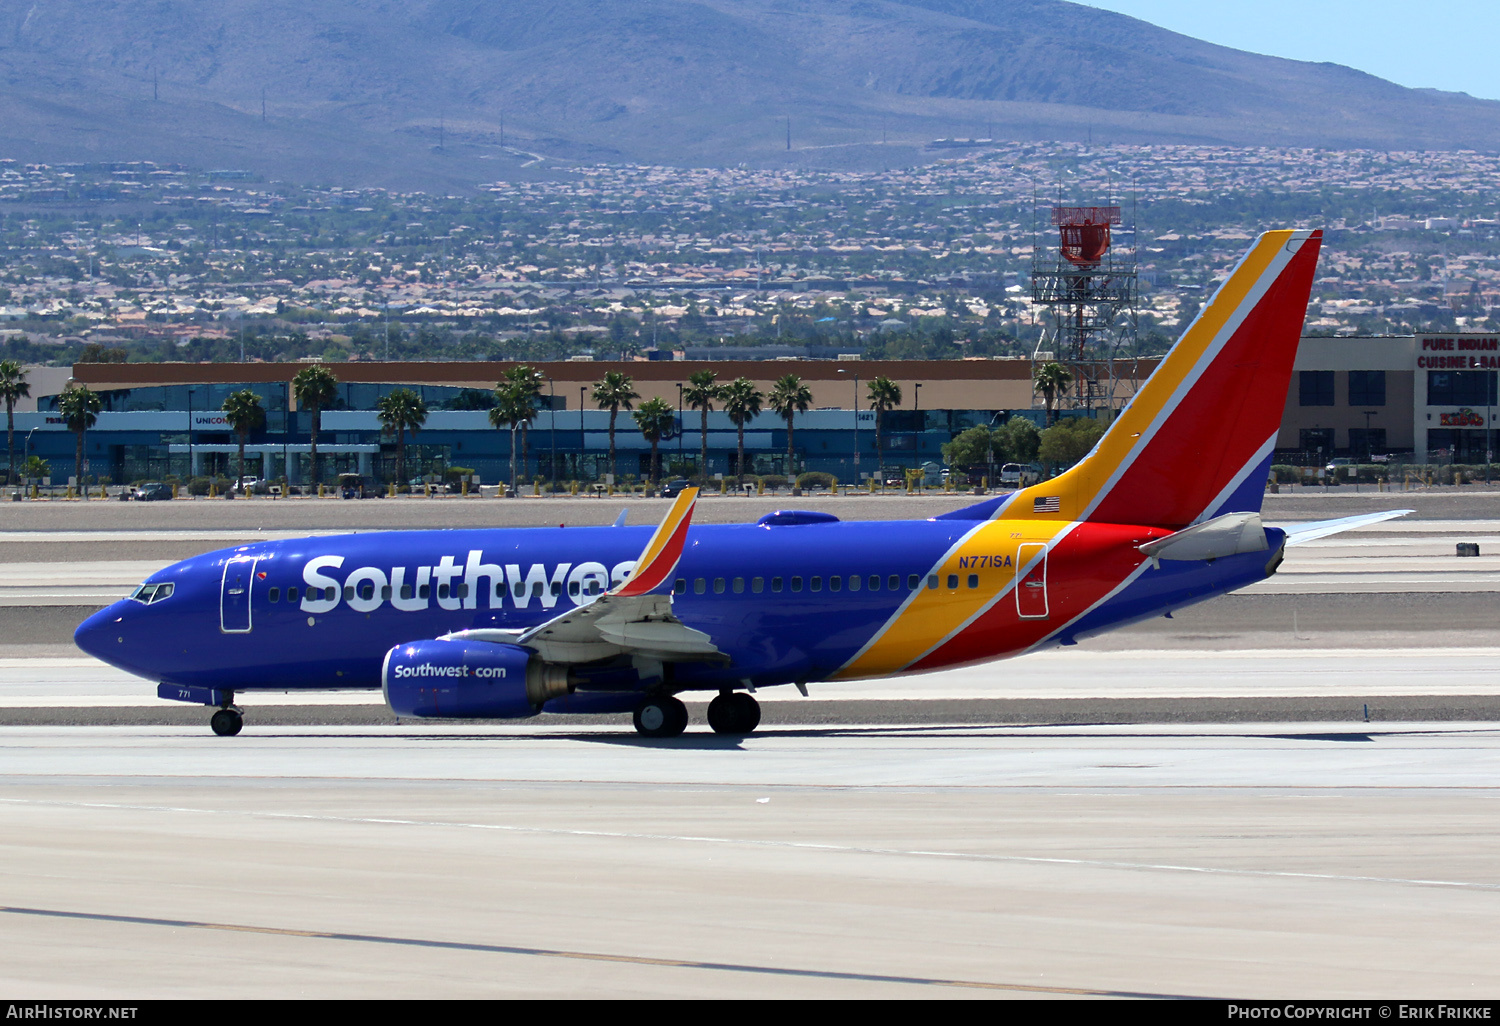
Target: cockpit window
[{"x": 146, "y": 594}]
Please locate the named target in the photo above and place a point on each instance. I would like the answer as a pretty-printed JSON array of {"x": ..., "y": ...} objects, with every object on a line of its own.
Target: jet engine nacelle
[{"x": 468, "y": 679}]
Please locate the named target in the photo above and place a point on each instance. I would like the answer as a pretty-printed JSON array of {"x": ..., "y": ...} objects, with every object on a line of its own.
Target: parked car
[
  {"x": 152, "y": 491},
  {"x": 359, "y": 486},
  {"x": 1018, "y": 475},
  {"x": 672, "y": 489}
]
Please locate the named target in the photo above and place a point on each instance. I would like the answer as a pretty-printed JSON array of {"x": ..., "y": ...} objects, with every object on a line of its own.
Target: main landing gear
[
  {"x": 733, "y": 712},
  {"x": 661, "y": 716}
]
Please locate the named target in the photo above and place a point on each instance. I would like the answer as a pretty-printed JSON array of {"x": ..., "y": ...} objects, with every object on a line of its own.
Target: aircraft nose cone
[{"x": 100, "y": 634}]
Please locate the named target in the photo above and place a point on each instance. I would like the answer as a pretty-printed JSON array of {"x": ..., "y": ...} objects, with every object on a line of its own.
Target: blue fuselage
[{"x": 783, "y": 603}]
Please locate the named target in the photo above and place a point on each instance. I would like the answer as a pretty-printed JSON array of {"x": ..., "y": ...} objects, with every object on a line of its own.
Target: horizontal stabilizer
[
  {"x": 1229, "y": 535},
  {"x": 1299, "y": 534}
]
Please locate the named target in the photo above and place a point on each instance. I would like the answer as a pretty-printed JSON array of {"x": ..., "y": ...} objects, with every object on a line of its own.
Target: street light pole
[
  {"x": 916, "y": 402},
  {"x": 855, "y": 408},
  {"x": 679, "y": 427},
  {"x": 552, "y": 427},
  {"x": 581, "y": 447}
]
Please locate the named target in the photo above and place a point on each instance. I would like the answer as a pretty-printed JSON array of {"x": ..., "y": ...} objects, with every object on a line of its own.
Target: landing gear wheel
[
  {"x": 661, "y": 717},
  {"x": 748, "y": 709},
  {"x": 733, "y": 713},
  {"x": 227, "y": 722}
]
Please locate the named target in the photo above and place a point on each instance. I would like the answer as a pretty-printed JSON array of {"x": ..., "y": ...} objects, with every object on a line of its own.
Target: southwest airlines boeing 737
[{"x": 1163, "y": 513}]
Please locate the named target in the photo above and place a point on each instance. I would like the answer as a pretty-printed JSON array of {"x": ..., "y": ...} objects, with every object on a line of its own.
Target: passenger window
[
  {"x": 718, "y": 585},
  {"x": 573, "y": 587},
  {"x": 406, "y": 591},
  {"x": 291, "y": 594},
  {"x": 854, "y": 582},
  {"x": 796, "y": 584},
  {"x": 894, "y": 582},
  {"x": 739, "y": 585},
  {"x": 348, "y": 593},
  {"x": 424, "y": 591},
  {"x": 680, "y": 588},
  {"x": 366, "y": 589},
  {"x": 385, "y": 593},
  {"x": 816, "y": 584},
  {"x": 274, "y": 595},
  {"x": 699, "y": 585},
  {"x": 520, "y": 589},
  {"x": 776, "y": 584},
  {"x": 932, "y": 581},
  {"x": 557, "y": 587},
  {"x": 496, "y": 593},
  {"x": 442, "y": 591},
  {"x": 973, "y": 580},
  {"x": 835, "y": 584},
  {"x": 914, "y": 581},
  {"x": 874, "y": 582},
  {"x": 952, "y": 581},
  {"x": 463, "y": 591},
  {"x": 593, "y": 587},
  {"x": 536, "y": 589},
  {"x": 757, "y": 584}
]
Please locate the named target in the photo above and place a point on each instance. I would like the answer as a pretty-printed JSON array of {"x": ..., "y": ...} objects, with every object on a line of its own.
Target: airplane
[{"x": 1163, "y": 513}]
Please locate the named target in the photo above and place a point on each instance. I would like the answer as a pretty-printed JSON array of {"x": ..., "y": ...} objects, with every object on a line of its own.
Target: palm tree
[
  {"x": 80, "y": 409},
  {"x": 789, "y": 397},
  {"x": 401, "y": 410},
  {"x": 884, "y": 395},
  {"x": 315, "y": 389},
  {"x": 742, "y": 402},
  {"x": 243, "y": 411},
  {"x": 514, "y": 406},
  {"x": 701, "y": 394},
  {"x": 13, "y": 388},
  {"x": 611, "y": 393},
  {"x": 528, "y": 382},
  {"x": 654, "y": 418},
  {"x": 1052, "y": 380}
]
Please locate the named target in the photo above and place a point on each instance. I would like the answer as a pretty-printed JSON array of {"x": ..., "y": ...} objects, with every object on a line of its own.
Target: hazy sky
[{"x": 1439, "y": 44}]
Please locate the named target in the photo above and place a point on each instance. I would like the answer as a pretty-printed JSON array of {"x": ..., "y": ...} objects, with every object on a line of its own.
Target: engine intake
[{"x": 468, "y": 679}]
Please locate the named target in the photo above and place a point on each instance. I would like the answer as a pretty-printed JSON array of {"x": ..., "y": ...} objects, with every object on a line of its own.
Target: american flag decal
[{"x": 1047, "y": 504}]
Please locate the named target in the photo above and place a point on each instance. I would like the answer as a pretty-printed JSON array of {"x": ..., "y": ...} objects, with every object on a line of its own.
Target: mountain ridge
[{"x": 406, "y": 92}]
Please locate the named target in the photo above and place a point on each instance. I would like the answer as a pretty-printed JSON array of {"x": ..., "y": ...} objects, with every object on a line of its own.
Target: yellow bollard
[
  {"x": 465, "y": 492},
  {"x": 573, "y": 489},
  {"x": 70, "y": 492}
]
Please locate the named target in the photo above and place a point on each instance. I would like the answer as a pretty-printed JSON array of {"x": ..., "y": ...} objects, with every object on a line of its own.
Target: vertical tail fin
[{"x": 1196, "y": 441}]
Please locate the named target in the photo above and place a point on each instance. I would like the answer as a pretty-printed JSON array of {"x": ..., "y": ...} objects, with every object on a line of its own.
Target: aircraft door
[
  {"x": 234, "y": 596},
  {"x": 1031, "y": 589}
]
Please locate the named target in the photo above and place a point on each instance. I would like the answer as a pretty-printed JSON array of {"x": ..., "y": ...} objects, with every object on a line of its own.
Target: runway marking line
[
  {"x": 1043, "y": 860},
  {"x": 587, "y": 956}
]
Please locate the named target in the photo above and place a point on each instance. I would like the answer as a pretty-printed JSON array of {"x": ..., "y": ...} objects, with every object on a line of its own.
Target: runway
[
  {"x": 896, "y": 862},
  {"x": 1189, "y": 807}
]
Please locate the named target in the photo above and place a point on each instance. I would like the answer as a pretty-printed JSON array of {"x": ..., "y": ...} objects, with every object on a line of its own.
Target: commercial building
[
  {"x": 166, "y": 418},
  {"x": 1430, "y": 396}
]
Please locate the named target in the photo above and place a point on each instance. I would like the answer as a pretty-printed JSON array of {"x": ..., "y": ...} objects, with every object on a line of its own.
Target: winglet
[
  {"x": 660, "y": 556},
  {"x": 1300, "y": 534}
]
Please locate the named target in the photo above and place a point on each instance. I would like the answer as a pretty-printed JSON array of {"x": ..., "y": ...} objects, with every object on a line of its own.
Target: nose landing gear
[{"x": 228, "y": 721}]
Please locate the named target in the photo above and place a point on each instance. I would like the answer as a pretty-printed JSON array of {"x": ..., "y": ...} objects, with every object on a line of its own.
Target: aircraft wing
[
  {"x": 632, "y": 618},
  {"x": 1299, "y": 534}
]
